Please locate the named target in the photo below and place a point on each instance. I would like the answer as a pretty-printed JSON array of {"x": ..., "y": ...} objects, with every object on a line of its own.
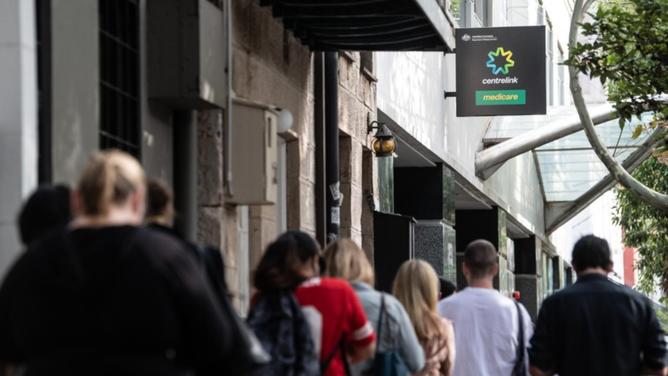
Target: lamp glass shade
[{"x": 384, "y": 147}]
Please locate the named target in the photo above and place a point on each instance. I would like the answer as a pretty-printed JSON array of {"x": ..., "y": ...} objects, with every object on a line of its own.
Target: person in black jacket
[
  {"x": 597, "y": 327},
  {"x": 107, "y": 296}
]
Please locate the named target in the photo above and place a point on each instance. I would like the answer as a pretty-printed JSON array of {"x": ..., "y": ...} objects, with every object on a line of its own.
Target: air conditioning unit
[
  {"x": 254, "y": 154},
  {"x": 186, "y": 56}
]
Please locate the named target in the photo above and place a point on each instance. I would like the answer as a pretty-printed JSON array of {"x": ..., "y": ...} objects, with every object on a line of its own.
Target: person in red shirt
[{"x": 339, "y": 327}]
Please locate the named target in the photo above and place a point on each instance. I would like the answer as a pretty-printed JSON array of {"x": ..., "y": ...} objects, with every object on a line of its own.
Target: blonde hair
[
  {"x": 345, "y": 259},
  {"x": 108, "y": 179},
  {"x": 416, "y": 287}
]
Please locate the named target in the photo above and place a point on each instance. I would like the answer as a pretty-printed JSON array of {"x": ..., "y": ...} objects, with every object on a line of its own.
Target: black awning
[{"x": 366, "y": 25}]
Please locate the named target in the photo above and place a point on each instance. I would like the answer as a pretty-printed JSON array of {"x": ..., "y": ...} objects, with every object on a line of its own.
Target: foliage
[
  {"x": 454, "y": 6},
  {"x": 626, "y": 49},
  {"x": 662, "y": 315},
  {"x": 645, "y": 227}
]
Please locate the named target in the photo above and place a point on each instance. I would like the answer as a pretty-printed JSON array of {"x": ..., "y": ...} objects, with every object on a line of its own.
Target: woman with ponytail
[{"x": 108, "y": 297}]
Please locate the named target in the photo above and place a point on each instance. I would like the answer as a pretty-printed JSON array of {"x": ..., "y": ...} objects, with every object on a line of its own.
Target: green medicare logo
[
  {"x": 493, "y": 55},
  {"x": 500, "y": 97}
]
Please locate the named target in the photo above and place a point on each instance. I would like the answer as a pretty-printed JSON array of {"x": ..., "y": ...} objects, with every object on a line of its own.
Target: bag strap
[
  {"x": 519, "y": 362},
  {"x": 329, "y": 358},
  {"x": 381, "y": 313},
  {"x": 339, "y": 347}
]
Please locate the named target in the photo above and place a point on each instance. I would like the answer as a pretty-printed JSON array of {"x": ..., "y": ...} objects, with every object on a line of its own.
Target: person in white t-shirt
[{"x": 486, "y": 323}]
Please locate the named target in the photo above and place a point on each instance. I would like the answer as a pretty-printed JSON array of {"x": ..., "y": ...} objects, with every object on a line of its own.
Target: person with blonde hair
[
  {"x": 416, "y": 286},
  {"x": 345, "y": 259},
  {"x": 107, "y": 296}
]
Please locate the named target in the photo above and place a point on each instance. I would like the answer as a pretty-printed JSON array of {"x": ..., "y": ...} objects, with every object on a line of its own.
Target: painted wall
[
  {"x": 595, "y": 219},
  {"x": 75, "y": 85},
  {"x": 18, "y": 119},
  {"x": 410, "y": 91}
]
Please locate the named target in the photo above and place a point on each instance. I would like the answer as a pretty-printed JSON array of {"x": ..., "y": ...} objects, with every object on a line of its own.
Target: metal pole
[
  {"x": 489, "y": 160},
  {"x": 333, "y": 194},
  {"x": 185, "y": 173},
  {"x": 320, "y": 148}
]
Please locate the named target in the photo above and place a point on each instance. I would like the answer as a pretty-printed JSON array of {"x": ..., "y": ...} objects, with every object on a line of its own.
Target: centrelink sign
[{"x": 501, "y": 71}]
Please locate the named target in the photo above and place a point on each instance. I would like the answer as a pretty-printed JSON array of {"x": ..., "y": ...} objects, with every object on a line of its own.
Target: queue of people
[{"x": 111, "y": 289}]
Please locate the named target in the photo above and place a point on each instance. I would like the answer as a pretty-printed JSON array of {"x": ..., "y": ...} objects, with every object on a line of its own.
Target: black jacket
[
  {"x": 114, "y": 300},
  {"x": 597, "y": 327}
]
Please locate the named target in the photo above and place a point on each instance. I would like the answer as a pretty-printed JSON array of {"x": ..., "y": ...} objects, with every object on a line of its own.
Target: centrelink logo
[{"x": 498, "y": 69}]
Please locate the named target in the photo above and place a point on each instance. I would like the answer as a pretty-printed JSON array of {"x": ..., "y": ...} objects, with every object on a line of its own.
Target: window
[
  {"x": 366, "y": 61},
  {"x": 119, "y": 75},
  {"x": 474, "y": 13},
  {"x": 43, "y": 34},
  {"x": 561, "y": 69},
  {"x": 480, "y": 10},
  {"x": 550, "y": 64},
  {"x": 540, "y": 16},
  {"x": 217, "y": 3}
]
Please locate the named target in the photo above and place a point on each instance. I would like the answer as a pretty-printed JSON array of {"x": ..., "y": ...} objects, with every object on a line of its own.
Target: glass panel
[{"x": 568, "y": 174}]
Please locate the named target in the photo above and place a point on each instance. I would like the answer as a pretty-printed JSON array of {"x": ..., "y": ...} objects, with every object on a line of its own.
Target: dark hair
[
  {"x": 591, "y": 252},
  {"x": 46, "y": 209},
  {"x": 158, "y": 199},
  {"x": 280, "y": 265},
  {"x": 480, "y": 257},
  {"x": 447, "y": 288}
]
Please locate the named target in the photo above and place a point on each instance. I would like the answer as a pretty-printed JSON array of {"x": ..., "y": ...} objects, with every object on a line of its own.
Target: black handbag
[
  {"x": 386, "y": 363},
  {"x": 520, "y": 368}
]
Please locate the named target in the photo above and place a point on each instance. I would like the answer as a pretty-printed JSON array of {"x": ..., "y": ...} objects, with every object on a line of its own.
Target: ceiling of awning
[
  {"x": 366, "y": 25},
  {"x": 568, "y": 167}
]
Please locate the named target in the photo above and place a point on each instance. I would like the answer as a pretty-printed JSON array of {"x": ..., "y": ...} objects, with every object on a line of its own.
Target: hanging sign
[{"x": 501, "y": 71}]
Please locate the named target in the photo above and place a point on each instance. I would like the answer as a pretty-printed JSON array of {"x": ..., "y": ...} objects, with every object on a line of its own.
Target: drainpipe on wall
[
  {"x": 227, "y": 126},
  {"x": 185, "y": 173},
  {"x": 320, "y": 148},
  {"x": 333, "y": 202}
]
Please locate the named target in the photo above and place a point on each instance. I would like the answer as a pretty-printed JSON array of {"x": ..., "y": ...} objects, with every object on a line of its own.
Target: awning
[
  {"x": 571, "y": 174},
  {"x": 367, "y": 25}
]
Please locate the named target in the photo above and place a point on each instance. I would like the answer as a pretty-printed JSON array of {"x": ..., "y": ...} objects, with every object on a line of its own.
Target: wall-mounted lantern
[{"x": 384, "y": 143}]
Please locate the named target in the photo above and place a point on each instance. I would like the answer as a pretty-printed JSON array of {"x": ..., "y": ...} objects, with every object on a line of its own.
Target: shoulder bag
[
  {"x": 520, "y": 368},
  {"x": 386, "y": 363}
]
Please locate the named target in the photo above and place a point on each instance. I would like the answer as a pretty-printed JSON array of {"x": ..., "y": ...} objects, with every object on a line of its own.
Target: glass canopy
[{"x": 568, "y": 167}]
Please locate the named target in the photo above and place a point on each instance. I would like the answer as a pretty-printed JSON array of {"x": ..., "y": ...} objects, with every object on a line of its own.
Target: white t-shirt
[{"x": 486, "y": 331}]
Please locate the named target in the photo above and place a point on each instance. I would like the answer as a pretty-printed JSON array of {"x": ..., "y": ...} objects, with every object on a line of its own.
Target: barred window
[{"x": 119, "y": 75}]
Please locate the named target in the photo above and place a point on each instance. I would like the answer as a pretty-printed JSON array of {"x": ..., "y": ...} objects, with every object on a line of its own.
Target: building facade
[{"x": 258, "y": 113}]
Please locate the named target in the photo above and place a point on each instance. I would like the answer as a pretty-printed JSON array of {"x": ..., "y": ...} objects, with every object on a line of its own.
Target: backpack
[{"x": 279, "y": 324}]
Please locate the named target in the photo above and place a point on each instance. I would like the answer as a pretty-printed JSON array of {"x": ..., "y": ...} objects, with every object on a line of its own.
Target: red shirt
[{"x": 334, "y": 312}]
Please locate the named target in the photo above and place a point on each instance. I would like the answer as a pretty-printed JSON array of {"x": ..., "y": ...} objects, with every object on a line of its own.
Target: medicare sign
[{"x": 501, "y": 71}]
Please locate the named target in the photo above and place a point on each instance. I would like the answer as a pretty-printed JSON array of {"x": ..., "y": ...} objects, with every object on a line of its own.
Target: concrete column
[
  {"x": 528, "y": 279},
  {"x": 18, "y": 118},
  {"x": 489, "y": 225}
]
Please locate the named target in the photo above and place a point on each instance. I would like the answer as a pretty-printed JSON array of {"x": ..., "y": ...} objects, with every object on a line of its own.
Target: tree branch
[{"x": 650, "y": 196}]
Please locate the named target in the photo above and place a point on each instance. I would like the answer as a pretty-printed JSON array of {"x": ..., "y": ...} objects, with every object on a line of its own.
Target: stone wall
[
  {"x": 357, "y": 106},
  {"x": 271, "y": 67}
]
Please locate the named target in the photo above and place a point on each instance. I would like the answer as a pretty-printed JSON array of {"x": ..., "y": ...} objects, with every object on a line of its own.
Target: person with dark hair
[
  {"x": 491, "y": 330},
  {"x": 159, "y": 216},
  {"x": 446, "y": 288},
  {"x": 291, "y": 296},
  {"x": 107, "y": 296},
  {"x": 47, "y": 209},
  {"x": 597, "y": 327}
]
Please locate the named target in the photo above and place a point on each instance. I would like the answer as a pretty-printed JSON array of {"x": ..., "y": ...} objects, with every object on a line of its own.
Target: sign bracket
[{"x": 450, "y": 94}]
